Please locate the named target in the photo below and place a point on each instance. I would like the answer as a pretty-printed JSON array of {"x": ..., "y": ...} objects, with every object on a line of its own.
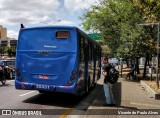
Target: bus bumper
[{"x": 41, "y": 87}]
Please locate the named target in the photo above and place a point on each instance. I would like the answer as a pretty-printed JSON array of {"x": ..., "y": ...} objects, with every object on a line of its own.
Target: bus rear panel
[{"x": 46, "y": 59}]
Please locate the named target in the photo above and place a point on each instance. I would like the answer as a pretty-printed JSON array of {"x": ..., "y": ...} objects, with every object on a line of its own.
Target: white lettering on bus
[
  {"x": 49, "y": 46},
  {"x": 42, "y": 87}
]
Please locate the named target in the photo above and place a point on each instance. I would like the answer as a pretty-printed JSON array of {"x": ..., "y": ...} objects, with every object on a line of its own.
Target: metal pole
[
  {"x": 121, "y": 69},
  {"x": 135, "y": 69},
  {"x": 157, "y": 77}
]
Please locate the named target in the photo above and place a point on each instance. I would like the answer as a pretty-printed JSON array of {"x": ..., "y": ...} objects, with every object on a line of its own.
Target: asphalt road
[
  {"x": 57, "y": 104},
  {"x": 128, "y": 94}
]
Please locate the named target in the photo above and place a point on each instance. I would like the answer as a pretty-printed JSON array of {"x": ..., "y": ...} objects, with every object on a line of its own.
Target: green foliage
[
  {"x": 11, "y": 51},
  {"x": 3, "y": 49},
  {"x": 118, "y": 22}
]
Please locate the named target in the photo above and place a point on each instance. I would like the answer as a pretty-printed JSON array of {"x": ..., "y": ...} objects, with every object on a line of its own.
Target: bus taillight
[
  {"x": 74, "y": 72},
  {"x": 72, "y": 77}
]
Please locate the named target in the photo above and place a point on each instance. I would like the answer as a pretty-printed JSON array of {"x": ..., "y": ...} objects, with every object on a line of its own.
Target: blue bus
[{"x": 57, "y": 59}]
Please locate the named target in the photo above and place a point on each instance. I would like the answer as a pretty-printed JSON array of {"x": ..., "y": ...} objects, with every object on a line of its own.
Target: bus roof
[
  {"x": 42, "y": 27},
  {"x": 67, "y": 27}
]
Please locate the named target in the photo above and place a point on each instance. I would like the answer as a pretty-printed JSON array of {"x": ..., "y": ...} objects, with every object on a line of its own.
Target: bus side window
[
  {"x": 81, "y": 49},
  {"x": 91, "y": 52}
]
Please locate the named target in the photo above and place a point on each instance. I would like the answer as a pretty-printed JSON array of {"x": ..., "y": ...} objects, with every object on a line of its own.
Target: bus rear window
[{"x": 62, "y": 34}]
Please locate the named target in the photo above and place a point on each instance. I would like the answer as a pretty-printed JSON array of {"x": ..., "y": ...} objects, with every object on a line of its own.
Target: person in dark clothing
[
  {"x": 131, "y": 73},
  {"x": 107, "y": 86}
]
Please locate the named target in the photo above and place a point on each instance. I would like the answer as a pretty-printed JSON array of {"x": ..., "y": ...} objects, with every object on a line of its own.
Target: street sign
[{"x": 95, "y": 36}]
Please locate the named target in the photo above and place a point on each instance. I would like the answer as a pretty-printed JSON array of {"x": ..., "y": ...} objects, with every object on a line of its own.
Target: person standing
[{"x": 107, "y": 86}]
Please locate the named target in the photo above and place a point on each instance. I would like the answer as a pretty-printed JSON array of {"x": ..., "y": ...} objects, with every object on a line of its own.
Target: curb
[{"x": 156, "y": 95}]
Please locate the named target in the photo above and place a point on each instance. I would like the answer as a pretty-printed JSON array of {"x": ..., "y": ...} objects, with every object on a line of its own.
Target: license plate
[
  {"x": 44, "y": 87},
  {"x": 43, "y": 76}
]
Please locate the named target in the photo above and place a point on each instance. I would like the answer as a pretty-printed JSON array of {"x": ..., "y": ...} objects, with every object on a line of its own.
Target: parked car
[
  {"x": 2, "y": 78},
  {"x": 114, "y": 61},
  {"x": 8, "y": 67}
]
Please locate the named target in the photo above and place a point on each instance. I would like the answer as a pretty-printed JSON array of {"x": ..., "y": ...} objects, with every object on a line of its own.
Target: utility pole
[{"x": 157, "y": 68}]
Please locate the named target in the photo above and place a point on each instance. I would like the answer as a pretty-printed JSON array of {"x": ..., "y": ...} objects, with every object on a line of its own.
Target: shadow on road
[
  {"x": 54, "y": 99},
  {"x": 94, "y": 98},
  {"x": 117, "y": 93},
  {"x": 100, "y": 100},
  {"x": 64, "y": 100}
]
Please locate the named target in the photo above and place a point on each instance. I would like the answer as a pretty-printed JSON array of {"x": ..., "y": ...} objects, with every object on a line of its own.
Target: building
[
  {"x": 12, "y": 42},
  {"x": 3, "y": 33},
  {"x": 4, "y": 40}
]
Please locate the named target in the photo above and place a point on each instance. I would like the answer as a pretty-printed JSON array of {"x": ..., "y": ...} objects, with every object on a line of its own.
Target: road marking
[
  {"x": 27, "y": 93},
  {"x": 151, "y": 105},
  {"x": 65, "y": 113},
  {"x": 10, "y": 81}
]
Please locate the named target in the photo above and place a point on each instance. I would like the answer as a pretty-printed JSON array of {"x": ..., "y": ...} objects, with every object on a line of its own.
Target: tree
[
  {"x": 11, "y": 51},
  {"x": 150, "y": 12},
  {"x": 116, "y": 20},
  {"x": 119, "y": 21},
  {"x": 3, "y": 50}
]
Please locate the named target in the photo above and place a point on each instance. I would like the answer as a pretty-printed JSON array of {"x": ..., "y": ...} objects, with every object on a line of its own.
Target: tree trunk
[
  {"x": 137, "y": 66},
  {"x": 145, "y": 65},
  {"x": 131, "y": 63}
]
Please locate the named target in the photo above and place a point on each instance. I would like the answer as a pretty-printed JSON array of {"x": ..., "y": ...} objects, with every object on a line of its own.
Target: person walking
[{"x": 107, "y": 86}]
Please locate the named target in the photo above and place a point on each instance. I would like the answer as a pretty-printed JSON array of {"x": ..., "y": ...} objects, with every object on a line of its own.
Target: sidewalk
[{"x": 129, "y": 95}]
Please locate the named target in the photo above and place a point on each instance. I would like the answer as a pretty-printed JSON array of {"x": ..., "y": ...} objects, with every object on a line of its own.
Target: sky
[{"x": 41, "y": 13}]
